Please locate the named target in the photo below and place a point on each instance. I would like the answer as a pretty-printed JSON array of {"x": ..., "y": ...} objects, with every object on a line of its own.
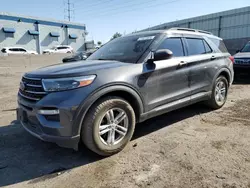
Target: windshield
[
  {"x": 125, "y": 49},
  {"x": 246, "y": 48}
]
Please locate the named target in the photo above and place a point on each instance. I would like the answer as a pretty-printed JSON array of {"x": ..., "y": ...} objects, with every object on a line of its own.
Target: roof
[
  {"x": 7, "y": 47},
  {"x": 31, "y": 19},
  {"x": 177, "y": 30},
  {"x": 63, "y": 46}
]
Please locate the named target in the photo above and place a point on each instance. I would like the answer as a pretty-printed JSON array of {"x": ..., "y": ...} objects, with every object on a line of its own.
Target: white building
[{"x": 38, "y": 34}]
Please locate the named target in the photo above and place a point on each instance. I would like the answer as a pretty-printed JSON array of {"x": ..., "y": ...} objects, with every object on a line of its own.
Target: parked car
[
  {"x": 129, "y": 80},
  {"x": 77, "y": 57},
  {"x": 17, "y": 50},
  {"x": 242, "y": 61},
  {"x": 59, "y": 49}
]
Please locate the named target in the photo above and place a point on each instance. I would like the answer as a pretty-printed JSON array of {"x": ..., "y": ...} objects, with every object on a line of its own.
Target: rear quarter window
[{"x": 220, "y": 44}]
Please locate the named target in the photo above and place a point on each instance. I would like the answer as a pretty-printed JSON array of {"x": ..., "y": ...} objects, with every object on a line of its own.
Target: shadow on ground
[{"x": 23, "y": 157}]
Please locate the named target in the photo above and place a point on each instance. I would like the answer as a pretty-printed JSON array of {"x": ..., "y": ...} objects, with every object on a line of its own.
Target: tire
[
  {"x": 97, "y": 115},
  {"x": 213, "y": 102}
]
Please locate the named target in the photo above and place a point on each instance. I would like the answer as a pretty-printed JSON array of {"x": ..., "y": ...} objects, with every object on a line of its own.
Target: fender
[
  {"x": 223, "y": 70},
  {"x": 92, "y": 98}
]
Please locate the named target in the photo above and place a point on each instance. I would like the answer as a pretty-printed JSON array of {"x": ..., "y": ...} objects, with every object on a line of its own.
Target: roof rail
[{"x": 192, "y": 30}]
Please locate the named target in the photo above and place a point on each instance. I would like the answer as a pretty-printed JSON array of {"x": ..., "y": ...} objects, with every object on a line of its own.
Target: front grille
[
  {"x": 242, "y": 61},
  {"x": 31, "y": 89}
]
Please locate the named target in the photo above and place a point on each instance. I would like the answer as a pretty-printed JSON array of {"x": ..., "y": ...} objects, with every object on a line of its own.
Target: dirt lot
[{"x": 191, "y": 147}]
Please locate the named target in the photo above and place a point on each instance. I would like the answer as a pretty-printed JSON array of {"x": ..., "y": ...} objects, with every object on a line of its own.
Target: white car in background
[
  {"x": 59, "y": 49},
  {"x": 17, "y": 50}
]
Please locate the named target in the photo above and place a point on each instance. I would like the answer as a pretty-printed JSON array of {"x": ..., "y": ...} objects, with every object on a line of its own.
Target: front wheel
[
  {"x": 108, "y": 126},
  {"x": 219, "y": 93}
]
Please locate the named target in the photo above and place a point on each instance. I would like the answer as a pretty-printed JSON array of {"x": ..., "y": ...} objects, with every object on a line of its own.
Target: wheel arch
[
  {"x": 224, "y": 72},
  {"x": 126, "y": 92}
]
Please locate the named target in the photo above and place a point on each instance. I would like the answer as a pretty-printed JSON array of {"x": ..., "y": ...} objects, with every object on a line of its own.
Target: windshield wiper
[
  {"x": 102, "y": 59},
  {"x": 105, "y": 59}
]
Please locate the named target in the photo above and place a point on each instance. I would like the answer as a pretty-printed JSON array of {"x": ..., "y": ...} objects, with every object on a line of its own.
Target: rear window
[{"x": 220, "y": 44}]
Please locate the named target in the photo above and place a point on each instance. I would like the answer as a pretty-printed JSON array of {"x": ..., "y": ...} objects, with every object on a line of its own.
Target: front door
[{"x": 167, "y": 80}]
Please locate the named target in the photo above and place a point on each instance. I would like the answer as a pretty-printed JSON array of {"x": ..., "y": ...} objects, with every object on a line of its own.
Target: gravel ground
[{"x": 190, "y": 147}]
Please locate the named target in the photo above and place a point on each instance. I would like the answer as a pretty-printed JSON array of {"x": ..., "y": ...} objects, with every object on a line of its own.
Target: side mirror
[
  {"x": 162, "y": 54},
  {"x": 237, "y": 51},
  {"x": 84, "y": 57}
]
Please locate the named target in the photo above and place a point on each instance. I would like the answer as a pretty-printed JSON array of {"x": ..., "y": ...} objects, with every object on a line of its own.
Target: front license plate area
[{"x": 24, "y": 117}]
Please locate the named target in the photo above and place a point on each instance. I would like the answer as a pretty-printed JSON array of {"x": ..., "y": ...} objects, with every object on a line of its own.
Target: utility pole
[{"x": 69, "y": 10}]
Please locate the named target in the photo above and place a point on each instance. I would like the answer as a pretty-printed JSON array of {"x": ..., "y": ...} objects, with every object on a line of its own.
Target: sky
[{"x": 103, "y": 18}]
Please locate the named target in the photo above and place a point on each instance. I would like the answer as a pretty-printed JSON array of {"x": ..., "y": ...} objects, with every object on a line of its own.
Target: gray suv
[{"x": 129, "y": 80}]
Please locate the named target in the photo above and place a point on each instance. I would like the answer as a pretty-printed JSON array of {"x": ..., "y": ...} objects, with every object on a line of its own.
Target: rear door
[{"x": 200, "y": 61}]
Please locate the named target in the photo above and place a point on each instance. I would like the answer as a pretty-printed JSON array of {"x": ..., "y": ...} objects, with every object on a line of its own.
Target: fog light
[{"x": 48, "y": 112}]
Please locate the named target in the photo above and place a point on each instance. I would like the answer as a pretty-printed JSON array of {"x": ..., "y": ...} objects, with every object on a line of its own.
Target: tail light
[{"x": 232, "y": 59}]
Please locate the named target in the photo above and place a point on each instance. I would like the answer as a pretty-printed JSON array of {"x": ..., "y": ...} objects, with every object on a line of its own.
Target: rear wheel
[
  {"x": 108, "y": 126},
  {"x": 219, "y": 93}
]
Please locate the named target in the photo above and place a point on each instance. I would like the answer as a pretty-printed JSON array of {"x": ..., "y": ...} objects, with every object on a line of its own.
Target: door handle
[
  {"x": 213, "y": 58},
  {"x": 182, "y": 63}
]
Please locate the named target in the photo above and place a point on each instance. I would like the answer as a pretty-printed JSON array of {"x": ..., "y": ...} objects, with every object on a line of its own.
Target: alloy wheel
[{"x": 113, "y": 126}]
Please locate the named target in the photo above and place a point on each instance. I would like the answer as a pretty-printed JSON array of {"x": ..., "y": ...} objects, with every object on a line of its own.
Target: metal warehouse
[
  {"x": 38, "y": 34},
  {"x": 232, "y": 25}
]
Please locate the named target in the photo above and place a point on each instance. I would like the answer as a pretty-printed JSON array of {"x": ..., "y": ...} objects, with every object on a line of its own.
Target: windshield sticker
[{"x": 146, "y": 38}]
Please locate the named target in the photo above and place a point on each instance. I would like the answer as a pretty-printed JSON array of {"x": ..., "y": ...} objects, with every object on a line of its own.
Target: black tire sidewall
[{"x": 115, "y": 103}]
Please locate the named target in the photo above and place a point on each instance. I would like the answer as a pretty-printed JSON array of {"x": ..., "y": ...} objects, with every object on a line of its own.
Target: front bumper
[
  {"x": 30, "y": 123},
  {"x": 63, "y": 128}
]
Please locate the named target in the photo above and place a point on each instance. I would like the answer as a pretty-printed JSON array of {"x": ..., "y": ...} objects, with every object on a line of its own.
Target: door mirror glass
[{"x": 162, "y": 54}]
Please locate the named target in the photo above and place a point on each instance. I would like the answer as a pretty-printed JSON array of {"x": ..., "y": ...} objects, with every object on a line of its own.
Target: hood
[
  {"x": 242, "y": 55},
  {"x": 79, "y": 68}
]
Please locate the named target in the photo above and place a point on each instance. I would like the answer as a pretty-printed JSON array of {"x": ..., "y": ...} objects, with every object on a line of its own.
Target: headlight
[{"x": 60, "y": 84}]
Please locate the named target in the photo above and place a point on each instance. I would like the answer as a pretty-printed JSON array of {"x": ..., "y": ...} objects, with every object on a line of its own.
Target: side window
[
  {"x": 220, "y": 44},
  {"x": 61, "y": 48},
  {"x": 22, "y": 50},
  {"x": 173, "y": 44},
  {"x": 207, "y": 47},
  {"x": 14, "y": 49},
  {"x": 195, "y": 46}
]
